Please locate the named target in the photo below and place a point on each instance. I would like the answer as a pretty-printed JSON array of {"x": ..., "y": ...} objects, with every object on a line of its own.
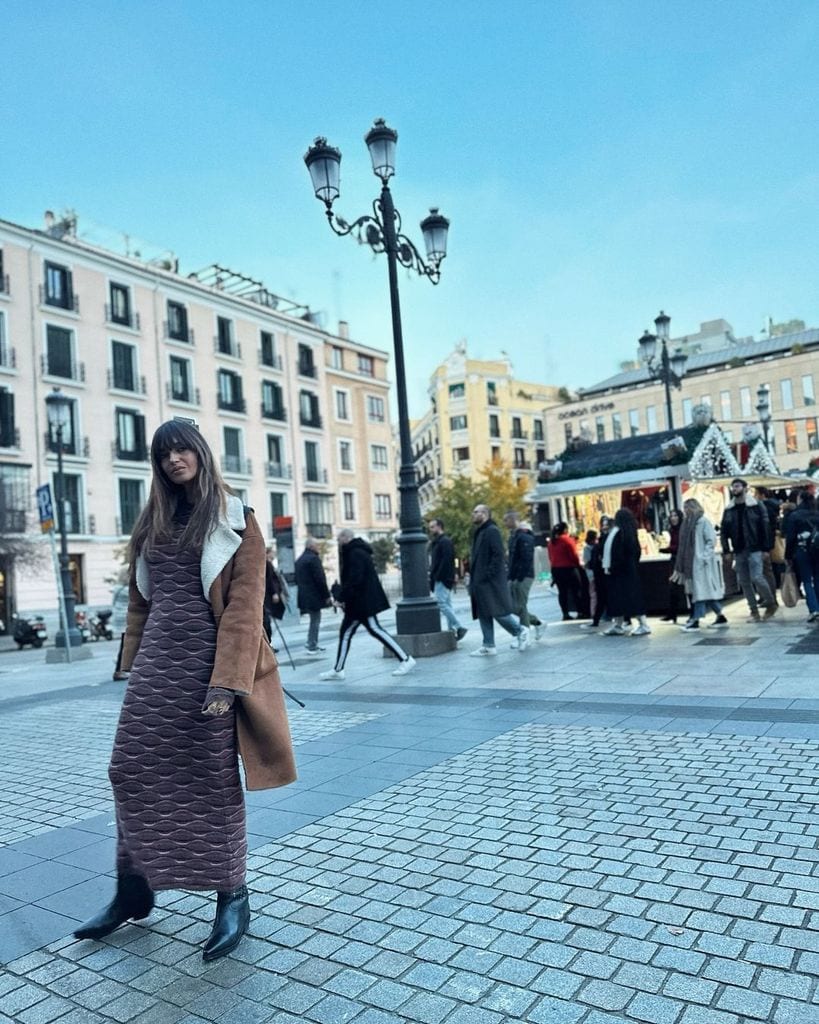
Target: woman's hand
[{"x": 216, "y": 707}]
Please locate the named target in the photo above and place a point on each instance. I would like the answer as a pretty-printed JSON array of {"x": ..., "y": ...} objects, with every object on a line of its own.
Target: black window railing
[
  {"x": 274, "y": 412},
  {"x": 315, "y": 475},
  {"x": 313, "y": 420},
  {"x": 236, "y": 464},
  {"x": 68, "y": 300},
  {"x": 321, "y": 531},
  {"x": 279, "y": 471},
  {"x": 123, "y": 318},
  {"x": 231, "y": 404},
  {"x": 178, "y": 332}
]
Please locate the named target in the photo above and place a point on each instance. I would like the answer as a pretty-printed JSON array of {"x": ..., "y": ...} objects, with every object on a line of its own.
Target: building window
[
  {"x": 7, "y": 355},
  {"x": 383, "y": 506},
  {"x": 634, "y": 422},
  {"x": 267, "y": 350},
  {"x": 230, "y": 391},
  {"x": 309, "y": 415},
  {"x": 460, "y": 454},
  {"x": 275, "y": 456},
  {"x": 379, "y": 457},
  {"x": 375, "y": 409},
  {"x": 311, "y": 462},
  {"x": 278, "y": 506},
  {"x": 306, "y": 365},
  {"x": 15, "y": 491},
  {"x": 130, "y": 436},
  {"x": 348, "y": 503},
  {"x": 457, "y": 390},
  {"x": 337, "y": 358},
  {"x": 131, "y": 501},
  {"x": 496, "y": 453},
  {"x": 585, "y": 430},
  {"x": 491, "y": 392},
  {"x": 725, "y": 406},
  {"x": 59, "y": 352},
  {"x": 567, "y": 433},
  {"x": 457, "y": 422},
  {"x": 58, "y": 287},
  {"x": 319, "y": 515},
  {"x": 366, "y": 365},
  {"x": 651, "y": 419},
  {"x": 71, "y": 501},
  {"x": 232, "y": 461},
  {"x": 494, "y": 425},
  {"x": 616, "y": 426},
  {"x": 343, "y": 405},
  {"x": 813, "y": 435},
  {"x": 786, "y": 390},
  {"x": 8, "y": 430},
  {"x": 177, "y": 325},
  {"x": 600, "y": 428},
  {"x": 180, "y": 379},
  {"x": 272, "y": 401},
  {"x": 119, "y": 310},
  {"x": 225, "y": 343},
  {"x": 745, "y": 403},
  {"x": 537, "y": 428},
  {"x": 688, "y": 411},
  {"x": 520, "y": 458},
  {"x": 123, "y": 368},
  {"x": 345, "y": 456},
  {"x": 705, "y": 400},
  {"x": 808, "y": 394},
  {"x": 791, "y": 442},
  {"x": 517, "y": 428},
  {"x": 540, "y": 455}
]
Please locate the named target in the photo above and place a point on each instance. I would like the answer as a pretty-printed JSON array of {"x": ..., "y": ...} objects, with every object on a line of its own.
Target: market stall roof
[{"x": 654, "y": 477}]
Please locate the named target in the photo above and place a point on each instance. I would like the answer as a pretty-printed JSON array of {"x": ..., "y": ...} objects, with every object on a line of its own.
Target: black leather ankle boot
[
  {"x": 134, "y": 899},
  {"x": 230, "y": 924}
]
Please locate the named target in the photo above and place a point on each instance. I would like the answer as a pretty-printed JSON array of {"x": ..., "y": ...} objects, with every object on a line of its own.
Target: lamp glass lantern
[
  {"x": 381, "y": 140},
  {"x": 58, "y": 408},
  {"x": 648, "y": 346},
  {"x": 435, "y": 228},
  {"x": 678, "y": 361},
  {"x": 662, "y": 325},
  {"x": 324, "y": 164}
]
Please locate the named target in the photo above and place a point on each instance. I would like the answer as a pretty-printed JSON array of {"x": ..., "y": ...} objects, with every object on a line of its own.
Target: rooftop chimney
[{"x": 344, "y": 330}]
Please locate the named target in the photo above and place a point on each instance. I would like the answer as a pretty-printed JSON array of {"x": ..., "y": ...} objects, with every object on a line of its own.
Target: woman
[
  {"x": 203, "y": 685},
  {"x": 601, "y": 607},
  {"x": 677, "y": 601},
  {"x": 799, "y": 536},
  {"x": 565, "y": 566},
  {"x": 621, "y": 557},
  {"x": 698, "y": 568}
]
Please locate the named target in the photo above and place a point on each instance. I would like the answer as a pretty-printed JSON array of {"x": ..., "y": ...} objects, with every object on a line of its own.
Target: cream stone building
[
  {"x": 726, "y": 378},
  {"x": 286, "y": 405},
  {"x": 479, "y": 412}
]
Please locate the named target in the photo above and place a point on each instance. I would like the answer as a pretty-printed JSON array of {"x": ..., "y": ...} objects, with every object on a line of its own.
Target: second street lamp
[
  {"x": 417, "y": 613},
  {"x": 670, "y": 369},
  {"x": 763, "y": 407}
]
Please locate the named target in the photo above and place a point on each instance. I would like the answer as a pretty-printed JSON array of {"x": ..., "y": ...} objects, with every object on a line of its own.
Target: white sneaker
[
  {"x": 515, "y": 643},
  {"x": 316, "y": 652},
  {"x": 523, "y": 638},
  {"x": 614, "y": 631},
  {"x": 332, "y": 674},
  {"x": 640, "y": 631},
  {"x": 405, "y": 666},
  {"x": 484, "y": 652},
  {"x": 538, "y": 632}
]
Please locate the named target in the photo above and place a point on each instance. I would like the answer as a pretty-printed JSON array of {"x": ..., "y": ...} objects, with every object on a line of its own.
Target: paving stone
[
  {"x": 655, "y": 1009},
  {"x": 745, "y": 1002},
  {"x": 605, "y": 995}
]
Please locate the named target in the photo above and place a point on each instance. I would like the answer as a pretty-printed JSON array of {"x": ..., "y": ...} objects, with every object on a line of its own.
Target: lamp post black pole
[
  {"x": 666, "y": 373},
  {"x": 60, "y": 639}
]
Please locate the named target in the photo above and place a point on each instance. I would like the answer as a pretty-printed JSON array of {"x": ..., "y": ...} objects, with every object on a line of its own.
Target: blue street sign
[{"x": 45, "y": 508}]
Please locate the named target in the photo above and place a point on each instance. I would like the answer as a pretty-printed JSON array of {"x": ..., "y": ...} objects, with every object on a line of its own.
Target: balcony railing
[
  {"x": 131, "y": 319},
  {"x": 306, "y": 369},
  {"x": 315, "y": 476},
  {"x": 275, "y": 363},
  {"x": 76, "y": 372},
  {"x": 321, "y": 531},
  {"x": 225, "y": 347},
  {"x": 492, "y": 399},
  {"x": 13, "y": 520},
  {"x": 520, "y": 435},
  {"x": 185, "y": 335},
  {"x": 8, "y": 357},
  {"x": 273, "y": 412},
  {"x": 279, "y": 471},
  {"x": 192, "y": 396},
  {"x": 71, "y": 302},
  {"x": 523, "y": 464},
  {"x": 310, "y": 421},
  {"x": 236, "y": 405},
  {"x": 139, "y": 384},
  {"x": 236, "y": 464},
  {"x": 77, "y": 448},
  {"x": 129, "y": 454}
]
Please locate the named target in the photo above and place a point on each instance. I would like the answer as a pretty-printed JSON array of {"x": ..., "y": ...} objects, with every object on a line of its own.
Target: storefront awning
[{"x": 607, "y": 482}]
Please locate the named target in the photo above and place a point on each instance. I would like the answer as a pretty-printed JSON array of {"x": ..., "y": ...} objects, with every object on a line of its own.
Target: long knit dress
[{"x": 179, "y": 801}]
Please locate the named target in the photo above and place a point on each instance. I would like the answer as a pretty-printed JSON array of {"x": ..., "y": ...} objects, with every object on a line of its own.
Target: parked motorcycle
[
  {"x": 100, "y": 625},
  {"x": 82, "y": 624},
  {"x": 30, "y": 631}
]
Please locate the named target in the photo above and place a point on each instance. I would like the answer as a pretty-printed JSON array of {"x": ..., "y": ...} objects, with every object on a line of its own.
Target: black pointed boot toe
[
  {"x": 134, "y": 899},
  {"x": 231, "y": 923}
]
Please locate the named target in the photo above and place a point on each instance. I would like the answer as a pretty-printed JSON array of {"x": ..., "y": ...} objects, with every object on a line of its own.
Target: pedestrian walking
[
  {"x": 601, "y": 589},
  {"x": 745, "y": 533},
  {"x": 521, "y": 570},
  {"x": 489, "y": 587},
  {"x": 698, "y": 568},
  {"x": 621, "y": 559},
  {"x": 312, "y": 594},
  {"x": 587, "y": 559},
  {"x": 801, "y": 534},
  {"x": 677, "y": 600},
  {"x": 362, "y": 598},
  {"x": 566, "y": 568},
  {"x": 442, "y": 575},
  {"x": 203, "y": 686}
]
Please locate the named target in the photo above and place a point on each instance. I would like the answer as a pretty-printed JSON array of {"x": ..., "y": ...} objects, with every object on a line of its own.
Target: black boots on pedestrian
[
  {"x": 134, "y": 899},
  {"x": 230, "y": 924}
]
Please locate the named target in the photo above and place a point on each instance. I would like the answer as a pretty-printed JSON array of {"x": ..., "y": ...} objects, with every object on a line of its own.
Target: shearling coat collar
[{"x": 220, "y": 547}]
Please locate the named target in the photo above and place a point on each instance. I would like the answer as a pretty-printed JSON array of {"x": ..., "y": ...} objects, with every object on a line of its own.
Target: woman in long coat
[
  {"x": 698, "y": 567},
  {"x": 621, "y": 558},
  {"x": 203, "y": 687}
]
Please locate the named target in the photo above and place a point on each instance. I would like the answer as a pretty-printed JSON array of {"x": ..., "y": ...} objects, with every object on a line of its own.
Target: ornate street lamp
[
  {"x": 58, "y": 407},
  {"x": 417, "y": 612},
  {"x": 670, "y": 369},
  {"x": 763, "y": 408}
]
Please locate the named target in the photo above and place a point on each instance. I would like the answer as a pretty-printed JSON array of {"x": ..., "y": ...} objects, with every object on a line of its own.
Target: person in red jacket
[{"x": 565, "y": 564}]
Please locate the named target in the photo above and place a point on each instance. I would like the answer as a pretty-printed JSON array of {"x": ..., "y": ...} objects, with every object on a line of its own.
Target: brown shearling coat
[{"x": 244, "y": 660}]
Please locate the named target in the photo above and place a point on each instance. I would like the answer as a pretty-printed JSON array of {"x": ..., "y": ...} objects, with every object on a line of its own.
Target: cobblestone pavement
[{"x": 595, "y": 831}]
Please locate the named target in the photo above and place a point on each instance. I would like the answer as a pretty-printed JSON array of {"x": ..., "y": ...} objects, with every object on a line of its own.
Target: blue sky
[{"x": 599, "y": 161}]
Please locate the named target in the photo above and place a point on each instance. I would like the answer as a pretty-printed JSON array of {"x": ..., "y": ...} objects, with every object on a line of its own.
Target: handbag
[
  {"x": 778, "y": 549},
  {"x": 790, "y": 589}
]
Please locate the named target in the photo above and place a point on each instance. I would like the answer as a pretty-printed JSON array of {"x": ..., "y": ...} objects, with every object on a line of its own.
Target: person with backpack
[{"x": 802, "y": 549}]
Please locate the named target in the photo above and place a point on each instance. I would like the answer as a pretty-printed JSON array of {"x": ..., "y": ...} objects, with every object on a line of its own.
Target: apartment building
[
  {"x": 479, "y": 412},
  {"x": 135, "y": 343},
  {"x": 727, "y": 379}
]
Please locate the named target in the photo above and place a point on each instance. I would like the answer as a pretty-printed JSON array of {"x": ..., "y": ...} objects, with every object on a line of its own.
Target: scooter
[
  {"x": 81, "y": 622},
  {"x": 30, "y": 631},
  {"x": 100, "y": 628}
]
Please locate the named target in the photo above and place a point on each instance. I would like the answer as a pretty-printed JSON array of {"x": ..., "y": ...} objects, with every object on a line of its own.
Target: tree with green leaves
[{"x": 383, "y": 552}]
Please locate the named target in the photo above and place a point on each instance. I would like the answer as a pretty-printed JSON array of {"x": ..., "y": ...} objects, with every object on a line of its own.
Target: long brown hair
[{"x": 155, "y": 523}]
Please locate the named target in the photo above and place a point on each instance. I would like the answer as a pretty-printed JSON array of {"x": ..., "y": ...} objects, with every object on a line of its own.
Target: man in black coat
[
  {"x": 313, "y": 593},
  {"x": 362, "y": 598},
  {"x": 745, "y": 532},
  {"x": 521, "y": 569},
  {"x": 442, "y": 575},
  {"x": 489, "y": 587}
]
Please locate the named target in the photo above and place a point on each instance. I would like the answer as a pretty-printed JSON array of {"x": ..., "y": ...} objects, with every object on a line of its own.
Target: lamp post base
[
  {"x": 59, "y": 655},
  {"x": 425, "y": 645}
]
